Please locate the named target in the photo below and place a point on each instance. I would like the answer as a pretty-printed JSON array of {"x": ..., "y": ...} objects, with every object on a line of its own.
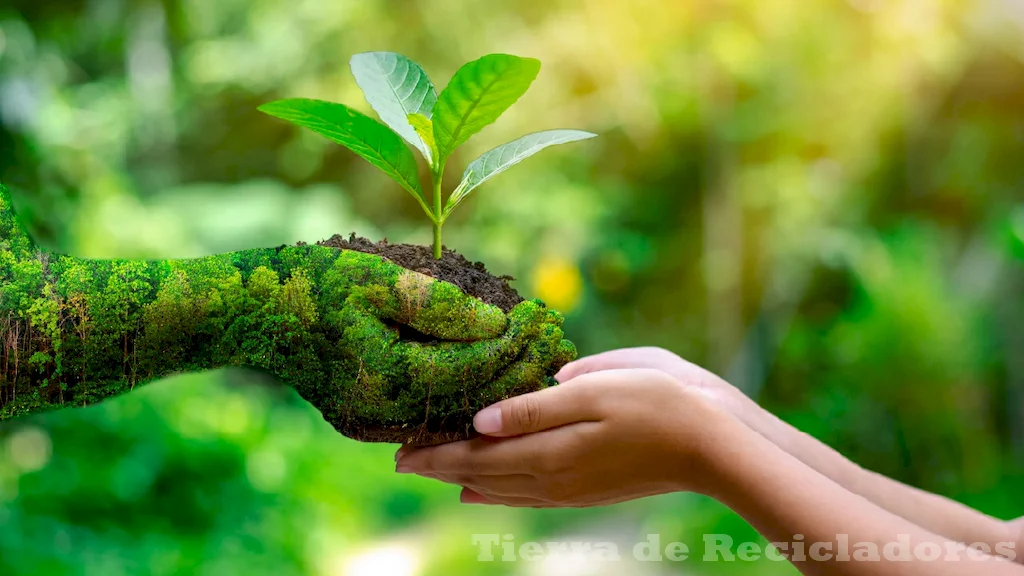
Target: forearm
[
  {"x": 80, "y": 331},
  {"x": 782, "y": 497},
  {"x": 383, "y": 352},
  {"x": 935, "y": 513}
]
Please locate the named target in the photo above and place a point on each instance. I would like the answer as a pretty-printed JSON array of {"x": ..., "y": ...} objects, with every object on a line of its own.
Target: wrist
[
  {"x": 728, "y": 398},
  {"x": 736, "y": 461},
  {"x": 704, "y": 441},
  {"x": 747, "y": 411},
  {"x": 768, "y": 425}
]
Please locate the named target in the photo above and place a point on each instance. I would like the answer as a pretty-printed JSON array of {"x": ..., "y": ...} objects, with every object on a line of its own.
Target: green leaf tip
[
  {"x": 356, "y": 131},
  {"x": 395, "y": 87},
  {"x": 477, "y": 95},
  {"x": 499, "y": 159}
]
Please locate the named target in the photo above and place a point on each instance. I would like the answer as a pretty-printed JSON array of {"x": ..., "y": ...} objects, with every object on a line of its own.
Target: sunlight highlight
[{"x": 393, "y": 560}]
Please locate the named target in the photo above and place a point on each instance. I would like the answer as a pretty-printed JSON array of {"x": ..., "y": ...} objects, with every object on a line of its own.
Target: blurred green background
[{"x": 820, "y": 200}]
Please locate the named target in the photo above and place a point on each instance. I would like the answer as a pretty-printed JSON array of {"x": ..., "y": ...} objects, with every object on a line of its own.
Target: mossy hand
[
  {"x": 385, "y": 353},
  {"x": 425, "y": 356}
]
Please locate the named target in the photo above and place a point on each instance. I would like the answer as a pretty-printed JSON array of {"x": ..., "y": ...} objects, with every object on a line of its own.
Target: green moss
[{"x": 386, "y": 354}]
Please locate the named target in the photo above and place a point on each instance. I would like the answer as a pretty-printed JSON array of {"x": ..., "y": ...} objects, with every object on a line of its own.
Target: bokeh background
[{"x": 821, "y": 200}]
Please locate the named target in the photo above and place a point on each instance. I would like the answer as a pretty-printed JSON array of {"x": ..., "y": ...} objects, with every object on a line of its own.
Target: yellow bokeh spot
[
  {"x": 736, "y": 48},
  {"x": 557, "y": 281}
]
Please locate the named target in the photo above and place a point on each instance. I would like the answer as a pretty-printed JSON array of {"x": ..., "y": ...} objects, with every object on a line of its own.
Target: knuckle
[
  {"x": 526, "y": 413},
  {"x": 661, "y": 377},
  {"x": 653, "y": 377},
  {"x": 443, "y": 460},
  {"x": 430, "y": 460}
]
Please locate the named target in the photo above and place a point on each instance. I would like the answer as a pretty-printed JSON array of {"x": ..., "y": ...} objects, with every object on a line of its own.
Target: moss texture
[{"x": 385, "y": 353}]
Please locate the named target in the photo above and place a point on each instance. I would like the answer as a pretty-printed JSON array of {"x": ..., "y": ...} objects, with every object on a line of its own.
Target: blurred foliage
[{"x": 820, "y": 200}]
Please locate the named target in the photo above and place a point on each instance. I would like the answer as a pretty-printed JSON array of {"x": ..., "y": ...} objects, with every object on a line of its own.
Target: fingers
[
  {"x": 437, "y": 309},
  {"x": 539, "y": 329},
  {"x": 512, "y": 485},
  {"x": 470, "y": 496},
  {"x": 442, "y": 310},
  {"x": 473, "y": 457},
  {"x": 442, "y": 383},
  {"x": 538, "y": 411},
  {"x": 453, "y": 369},
  {"x": 405, "y": 449},
  {"x": 641, "y": 357},
  {"x": 533, "y": 455}
]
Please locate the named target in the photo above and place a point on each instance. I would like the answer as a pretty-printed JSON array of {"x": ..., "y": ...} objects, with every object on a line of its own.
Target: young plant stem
[{"x": 438, "y": 221}]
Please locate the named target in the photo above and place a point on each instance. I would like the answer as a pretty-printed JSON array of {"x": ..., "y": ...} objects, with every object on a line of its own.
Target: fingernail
[
  {"x": 488, "y": 420},
  {"x": 401, "y": 452},
  {"x": 403, "y": 469}
]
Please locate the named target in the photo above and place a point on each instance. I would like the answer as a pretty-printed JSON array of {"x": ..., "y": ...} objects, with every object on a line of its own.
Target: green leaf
[
  {"x": 477, "y": 95},
  {"x": 395, "y": 87},
  {"x": 357, "y": 132},
  {"x": 425, "y": 130},
  {"x": 496, "y": 161}
]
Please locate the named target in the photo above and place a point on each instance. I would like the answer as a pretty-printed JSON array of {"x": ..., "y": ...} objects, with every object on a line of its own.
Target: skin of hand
[
  {"x": 593, "y": 440},
  {"x": 934, "y": 513},
  {"x": 703, "y": 382},
  {"x": 385, "y": 353},
  {"x": 940, "y": 515},
  {"x": 612, "y": 435}
]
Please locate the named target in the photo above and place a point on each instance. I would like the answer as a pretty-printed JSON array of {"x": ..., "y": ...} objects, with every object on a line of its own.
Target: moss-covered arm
[{"x": 385, "y": 353}]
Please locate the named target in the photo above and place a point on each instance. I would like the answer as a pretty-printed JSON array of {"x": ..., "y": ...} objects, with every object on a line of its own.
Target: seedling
[{"x": 404, "y": 97}]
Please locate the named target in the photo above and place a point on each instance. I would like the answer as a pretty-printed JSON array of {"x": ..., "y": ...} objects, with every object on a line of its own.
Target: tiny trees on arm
[{"x": 404, "y": 98}]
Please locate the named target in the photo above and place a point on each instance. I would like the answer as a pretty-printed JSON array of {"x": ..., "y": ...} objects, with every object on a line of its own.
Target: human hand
[
  {"x": 597, "y": 439},
  {"x": 701, "y": 381}
]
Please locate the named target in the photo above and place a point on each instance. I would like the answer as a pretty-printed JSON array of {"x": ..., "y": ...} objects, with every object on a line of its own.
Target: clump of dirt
[{"x": 472, "y": 277}]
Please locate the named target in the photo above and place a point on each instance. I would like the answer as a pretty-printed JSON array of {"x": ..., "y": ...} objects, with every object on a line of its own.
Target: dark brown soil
[{"x": 472, "y": 277}]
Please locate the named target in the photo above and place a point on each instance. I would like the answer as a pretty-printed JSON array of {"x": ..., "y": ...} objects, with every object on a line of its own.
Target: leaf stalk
[{"x": 437, "y": 175}]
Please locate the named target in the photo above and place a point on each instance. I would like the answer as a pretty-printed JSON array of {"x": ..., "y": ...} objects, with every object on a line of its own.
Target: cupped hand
[
  {"x": 599, "y": 438},
  {"x": 701, "y": 381},
  {"x": 418, "y": 357}
]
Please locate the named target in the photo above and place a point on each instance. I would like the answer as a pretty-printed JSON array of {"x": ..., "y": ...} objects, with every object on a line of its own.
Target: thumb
[{"x": 542, "y": 410}]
